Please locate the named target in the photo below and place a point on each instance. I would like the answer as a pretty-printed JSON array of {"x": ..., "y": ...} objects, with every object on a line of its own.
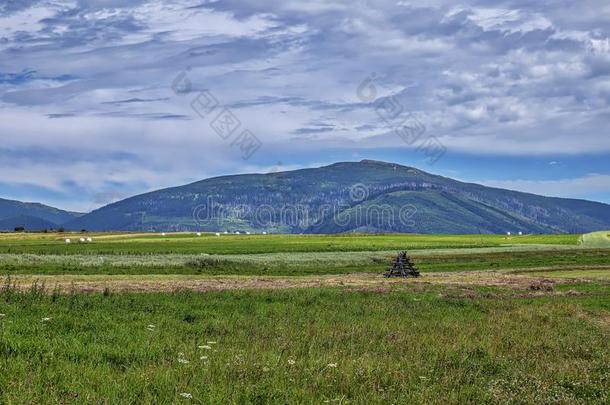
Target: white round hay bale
[
  {"x": 264, "y": 233},
  {"x": 236, "y": 232},
  {"x": 520, "y": 233},
  {"x": 247, "y": 233},
  {"x": 82, "y": 240},
  {"x": 162, "y": 233},
  {"x": 217, "y": 233},
  {"x": 225, "y": 232},
  {"x": 89, "y": 240},
  {"x": 198, "y": 233},
  {"x": 67, "y": 241}
]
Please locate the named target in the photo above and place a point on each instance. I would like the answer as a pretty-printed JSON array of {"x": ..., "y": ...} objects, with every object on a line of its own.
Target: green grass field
[
  {"x": 303, "y": 346},
  {"x": 242, "y": 244},
  {"x": 295, "y": 264},
  {"x": 304, "y": 319}
]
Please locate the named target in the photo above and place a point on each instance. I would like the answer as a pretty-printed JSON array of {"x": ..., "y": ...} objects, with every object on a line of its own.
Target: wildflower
[
  {"x": 332, "y": 365},
  {"x": 206, "y": 347},
  {"x": 151, "y": 326},
  {"x": 45, "y": 319},
  {"x": 186, "y": 395},
  {"x": 183, "y": 361},
  {"x": 203, "y": 358},
  {"x": 291, "y": 362},
  {"x": 211, "y": 342}
]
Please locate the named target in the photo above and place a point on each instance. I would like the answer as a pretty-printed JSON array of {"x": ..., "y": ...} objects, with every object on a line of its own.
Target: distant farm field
[
  {"x": 242, "y": 244},
  {"x": 139, "y": 318},
  {"x": 284, "y": 254}
]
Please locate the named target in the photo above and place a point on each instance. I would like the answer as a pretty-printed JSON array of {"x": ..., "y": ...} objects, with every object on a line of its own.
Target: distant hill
[
  {"x": 32, "y": 213},
  {"x": 30, "y": 224},
  {"x": 366, "y": 196}
]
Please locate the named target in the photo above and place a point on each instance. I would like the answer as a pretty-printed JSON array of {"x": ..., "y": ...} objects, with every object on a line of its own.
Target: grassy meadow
[
  {"x": 188, "y": 243},
  {"x": 304, "y": 319},
  {"x": 296, "y": 264},
  {"x": 304, "y": 346}
]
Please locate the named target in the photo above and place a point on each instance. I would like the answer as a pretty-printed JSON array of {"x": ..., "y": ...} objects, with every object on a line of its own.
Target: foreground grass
[{"x": 308, "y": 346}]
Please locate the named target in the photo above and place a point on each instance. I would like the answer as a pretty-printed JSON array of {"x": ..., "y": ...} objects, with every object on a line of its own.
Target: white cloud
[
  {"x": 180, "y": 21},
  {"x": 509, "y": 20},
  {"x": 575, "y": 187},
  {"x": 25, "y": 21},
  {"x": 524, "y": 80}
]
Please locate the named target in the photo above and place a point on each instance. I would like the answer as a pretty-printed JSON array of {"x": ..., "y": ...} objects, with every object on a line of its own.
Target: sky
[{"x": 105, "y": 99}]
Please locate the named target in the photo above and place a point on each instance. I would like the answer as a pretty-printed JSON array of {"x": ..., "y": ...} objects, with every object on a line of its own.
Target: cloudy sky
[{"x": 103, "y": 99}]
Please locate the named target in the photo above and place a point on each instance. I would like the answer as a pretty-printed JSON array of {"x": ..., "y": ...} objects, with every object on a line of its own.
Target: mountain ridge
[
  {"x": 12, "y": 211},
  {"x": 28, "y": 223},
  {"x": 365, "y": 196}
]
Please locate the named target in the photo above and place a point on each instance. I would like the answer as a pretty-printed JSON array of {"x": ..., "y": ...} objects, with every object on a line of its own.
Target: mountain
[
  {"x": 31, "y": 224},
  {"x": 366, "y": 196},
  {"x": 32, "y": 213}
]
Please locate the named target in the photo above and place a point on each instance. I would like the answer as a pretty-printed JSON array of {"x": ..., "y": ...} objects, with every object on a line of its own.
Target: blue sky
[{"x": 96, "y": 97}]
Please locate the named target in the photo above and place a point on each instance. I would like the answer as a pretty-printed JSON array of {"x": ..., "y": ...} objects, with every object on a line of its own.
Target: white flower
[
  {"x": 203, "y": 358},
  {"x": 186, "y": 395},
  {"x": 45, "y": 319},
  {"x": 332, "y": 365},
  {"x": 291, "y": 362},
  {"x": 151, "y": 326},
  {"x": 183, "y": 361},
  {"x": 211, "y": 342},
  {"x": 206, "y": 347}
]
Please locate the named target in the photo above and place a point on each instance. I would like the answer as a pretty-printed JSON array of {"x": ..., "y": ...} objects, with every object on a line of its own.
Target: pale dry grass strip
[{"x": 366, "y": 281}]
